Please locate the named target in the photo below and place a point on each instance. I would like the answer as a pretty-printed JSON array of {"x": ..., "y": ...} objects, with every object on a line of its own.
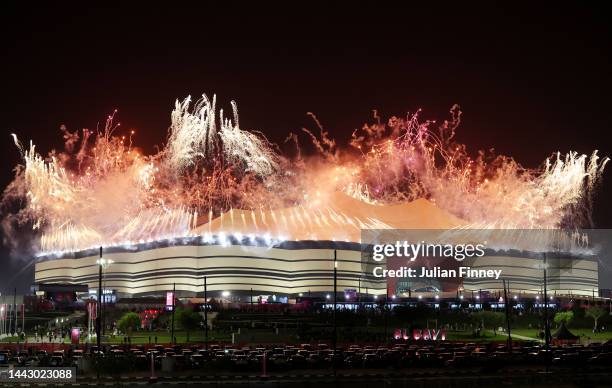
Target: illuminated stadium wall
[
  {"x": 288, "y": 268},
  {"x": 567, "y": 276}
]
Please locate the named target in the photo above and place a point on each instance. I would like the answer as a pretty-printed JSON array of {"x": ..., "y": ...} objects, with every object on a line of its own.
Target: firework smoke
[{"x": 103, "y": 191}]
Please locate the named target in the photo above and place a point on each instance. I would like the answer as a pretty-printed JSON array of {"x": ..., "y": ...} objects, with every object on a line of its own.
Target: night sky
[{"x": 530, "y": 81}]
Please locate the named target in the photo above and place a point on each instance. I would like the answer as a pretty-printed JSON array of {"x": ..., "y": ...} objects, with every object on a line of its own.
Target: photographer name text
[{"x": 436, "y": 272}]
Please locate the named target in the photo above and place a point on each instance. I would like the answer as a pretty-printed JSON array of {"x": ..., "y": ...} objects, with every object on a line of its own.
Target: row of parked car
[{"x": 308, "y": 356}]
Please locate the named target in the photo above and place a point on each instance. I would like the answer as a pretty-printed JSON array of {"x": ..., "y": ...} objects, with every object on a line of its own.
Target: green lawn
[
  {"x": 467, "y": 336},
  {"x": 583, "y": 333},
  {"x": 163, "y": 337},
  {"x": 142, "y": 337}
]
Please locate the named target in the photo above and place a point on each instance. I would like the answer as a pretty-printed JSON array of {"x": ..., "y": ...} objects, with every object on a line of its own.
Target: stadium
[
  {"x": 290, "y": 252},
  {"x": 225, "y": 204}
]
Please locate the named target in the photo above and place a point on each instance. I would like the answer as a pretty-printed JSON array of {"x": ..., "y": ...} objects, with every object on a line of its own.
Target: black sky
[{"x": 530, "y": 81}]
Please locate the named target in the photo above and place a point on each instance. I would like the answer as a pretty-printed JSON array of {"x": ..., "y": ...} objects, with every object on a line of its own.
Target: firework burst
[{"x": 103, "y": 191}]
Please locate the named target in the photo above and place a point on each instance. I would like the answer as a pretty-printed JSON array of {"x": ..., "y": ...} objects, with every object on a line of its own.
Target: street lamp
[
  {"x": 102, "y": 264},
  {"x": 544, "y": 266}
]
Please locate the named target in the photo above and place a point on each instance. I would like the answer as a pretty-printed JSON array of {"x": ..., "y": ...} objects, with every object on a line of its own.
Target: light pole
[
  {"x": 546, "y": 325},
  {"x": 205, "y": 315},
  {"x": 98, "y": 317},
  {"x": 102, "y": 263},
  {"x": 335, "y": 308},
  {"x": 507, "y": 305},
  {"x": 385, "y": 310},
  {"x": 173, "y": 298},
  {"x": 15, "y": 310},
  {"x": 335, "y": 298},
  {"x": 359, "y": 292}
]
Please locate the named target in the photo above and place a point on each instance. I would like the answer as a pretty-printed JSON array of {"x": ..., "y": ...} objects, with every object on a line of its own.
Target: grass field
[
  {"x": 163, "y": 337},
  {"x": 583, "y": 333},
  {"x": 142, "y": 337},
  {"x": 467, "y": 336}
]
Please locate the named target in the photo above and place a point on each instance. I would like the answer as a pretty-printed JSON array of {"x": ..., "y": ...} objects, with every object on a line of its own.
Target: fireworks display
[{"x": 101, "y": 190}]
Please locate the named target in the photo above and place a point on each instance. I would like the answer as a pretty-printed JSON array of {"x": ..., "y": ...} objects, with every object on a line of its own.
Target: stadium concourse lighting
[
  {"x": 225, "y": 294},
  {"x": 420, "y": 296},
  {"x": 104, "y": 262},
  {"x": 327, "y": 296},
  {"x": 375, "y": 296}
]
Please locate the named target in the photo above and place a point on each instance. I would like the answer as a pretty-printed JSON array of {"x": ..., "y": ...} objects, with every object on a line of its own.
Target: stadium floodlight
[{"x": 104, "y": 262}]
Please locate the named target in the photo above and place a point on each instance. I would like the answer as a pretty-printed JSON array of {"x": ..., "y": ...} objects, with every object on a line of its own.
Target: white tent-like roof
[{"x": 338, "y": 218}]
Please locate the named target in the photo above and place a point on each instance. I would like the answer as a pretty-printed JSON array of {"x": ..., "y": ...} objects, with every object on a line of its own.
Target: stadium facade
[{"x": 291, "y": 251}]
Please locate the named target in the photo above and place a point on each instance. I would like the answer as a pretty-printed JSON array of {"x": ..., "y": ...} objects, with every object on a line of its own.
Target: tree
[
  {"x": 596, "y": 313},
  {"x": 128, "y": 322},
  {"x": 187, "y": 319},
  {"x": 564, "y": 317},
  {"x": 489, "y": 319}
]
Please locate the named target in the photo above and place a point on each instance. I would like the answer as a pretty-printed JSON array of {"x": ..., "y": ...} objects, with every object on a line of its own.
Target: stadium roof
[{"x": 339, "y": 217}]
